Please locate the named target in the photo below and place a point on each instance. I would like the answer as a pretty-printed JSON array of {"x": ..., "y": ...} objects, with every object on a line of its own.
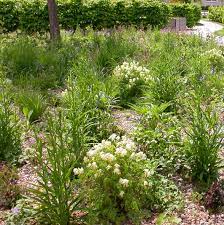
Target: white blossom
[
  {"x": 78, "y": 171},
  {"x": 120, "y": 151},
  {"x": 121, "y": 194},
  {"x": 124, "y": 182}
]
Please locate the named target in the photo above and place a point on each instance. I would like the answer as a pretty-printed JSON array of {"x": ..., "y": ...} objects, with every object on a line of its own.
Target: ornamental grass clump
[
  {"x": 132, "y": 78},
  {"x": 203, "y": 143},
  {"x": 119, "y": 182}
]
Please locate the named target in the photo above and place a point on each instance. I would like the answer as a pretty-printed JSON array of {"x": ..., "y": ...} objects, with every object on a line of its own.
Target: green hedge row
[
  {"x": 216, "y": 14},
  {"x": 190, "y": 11},
  {"x": 32, "y": 16}
]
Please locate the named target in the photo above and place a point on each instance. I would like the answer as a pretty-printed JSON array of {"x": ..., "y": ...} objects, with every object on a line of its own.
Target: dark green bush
[
  {"x": 216, "y": 14},
  {"x": 192, "y": 12},
  {"x": 9, "y": 20}
]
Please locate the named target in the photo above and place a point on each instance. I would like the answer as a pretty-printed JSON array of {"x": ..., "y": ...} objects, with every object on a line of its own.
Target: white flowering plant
[
  {"x": 119, "y": 182},
  {"x": 215, "y": 58},
  {"x": 132, "y": 78}
]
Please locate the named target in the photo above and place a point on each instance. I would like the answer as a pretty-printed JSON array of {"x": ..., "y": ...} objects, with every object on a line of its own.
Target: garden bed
[{"x": 122, "y": 128}]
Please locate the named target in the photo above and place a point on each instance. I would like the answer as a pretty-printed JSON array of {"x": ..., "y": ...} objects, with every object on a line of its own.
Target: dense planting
[
  {"x": 216, "y": 14},
  {"x": 84, "y": 163},
  {"x": 32, "y": 16}
]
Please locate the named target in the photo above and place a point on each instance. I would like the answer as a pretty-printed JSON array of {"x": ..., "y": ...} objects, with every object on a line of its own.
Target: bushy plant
[
  {"x": 131, "y": 80},
  {"x": 203, "y": 143},
  {"x": 159, "y": 136},
  {"x": 10, "y": 136},
  {"x": 53, "y": 194},
  {"x": 119, "y": 182},
  {"x": 32, "y": 105},
  {"x": 9, "y": 189},
  {"x": 216, "y": 60},
  {"x": 216, "y": 14}
]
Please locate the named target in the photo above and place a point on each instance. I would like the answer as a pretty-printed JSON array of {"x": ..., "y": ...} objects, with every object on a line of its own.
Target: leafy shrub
[
  {"x": 216, "y": 59},
  {"x": 216, "y": 14},
  {"x": 131, "y": 77},
  {"x": 9, "y": 20},
  {"x": 159, "y": 136},
  {"x": 192, "y": 12},
  {"x": 53, "y": 194},
  {"x": 10, "y": 140},
  {"x": 32, "y": 105},
  {"x": 119, "y": 182},
  {"x": 203, "y": 143},
  {"x": 9, "y": 189}
]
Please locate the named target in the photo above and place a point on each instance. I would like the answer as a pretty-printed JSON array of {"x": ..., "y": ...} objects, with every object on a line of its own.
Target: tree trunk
[{"x": 53, "y": 18}]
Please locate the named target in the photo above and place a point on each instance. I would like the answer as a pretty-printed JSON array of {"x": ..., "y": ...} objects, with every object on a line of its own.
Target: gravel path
[{"x": 207, "y": 28}]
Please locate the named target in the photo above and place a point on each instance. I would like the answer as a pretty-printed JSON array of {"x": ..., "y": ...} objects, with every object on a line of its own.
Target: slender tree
[{"x": 53, "y": 18}]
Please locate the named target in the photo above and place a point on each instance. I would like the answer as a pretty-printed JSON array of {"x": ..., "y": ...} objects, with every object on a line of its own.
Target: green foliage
[
  {"x": 203, "y": 143},
  {"x": 54, "y": 195},
  {"x": 112, "y": 50},
  {"x": 159, "y": 136},
  {"x": 30, "y": 62},
  {"x": 32, "y": 16},
  {"x": 192, "y": 12},
  {"x": 216, "y": 14},
  {"x": 10, "y": 140},
  {"x": 88, "y": 95},
  {"x": 9, "y": 19},
  {"x": 9, "y": 189},
  {"x": 32, "y": 105},
  {"x": 119, "y": 182}
]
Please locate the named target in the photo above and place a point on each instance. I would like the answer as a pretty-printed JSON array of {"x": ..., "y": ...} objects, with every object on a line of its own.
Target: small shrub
[
  {"x": 119, "y": 182},
  {"x": 132, "y": 78},
  {"x": 9, "y": 189},
  {"x": 10, "y": 137},
  {"x": 216, "y": 14},
  {"x": 159, "y": 136},
  {"x": 203, "y": 143},
  {"x": 216, "y": 60},
  {"x": 32, "y": 105}
]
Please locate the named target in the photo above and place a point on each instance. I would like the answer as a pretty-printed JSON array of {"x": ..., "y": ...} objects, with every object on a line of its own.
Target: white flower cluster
[
  {"x": 132, "y": 72},
  {"x": 112, "y": 158}
]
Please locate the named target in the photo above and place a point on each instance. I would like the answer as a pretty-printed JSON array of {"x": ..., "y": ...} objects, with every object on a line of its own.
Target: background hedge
[
  {"x": 216, "y": 14},
  {"x": 32, "y": 16},
  {"x": 190, "y": 11}
]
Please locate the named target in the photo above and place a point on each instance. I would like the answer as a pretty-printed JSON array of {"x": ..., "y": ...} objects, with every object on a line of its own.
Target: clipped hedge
[
  {"x": 32, "y": 16},
  {"x": 216, "y": 14},
  {"x": 192, "y": 12}
]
